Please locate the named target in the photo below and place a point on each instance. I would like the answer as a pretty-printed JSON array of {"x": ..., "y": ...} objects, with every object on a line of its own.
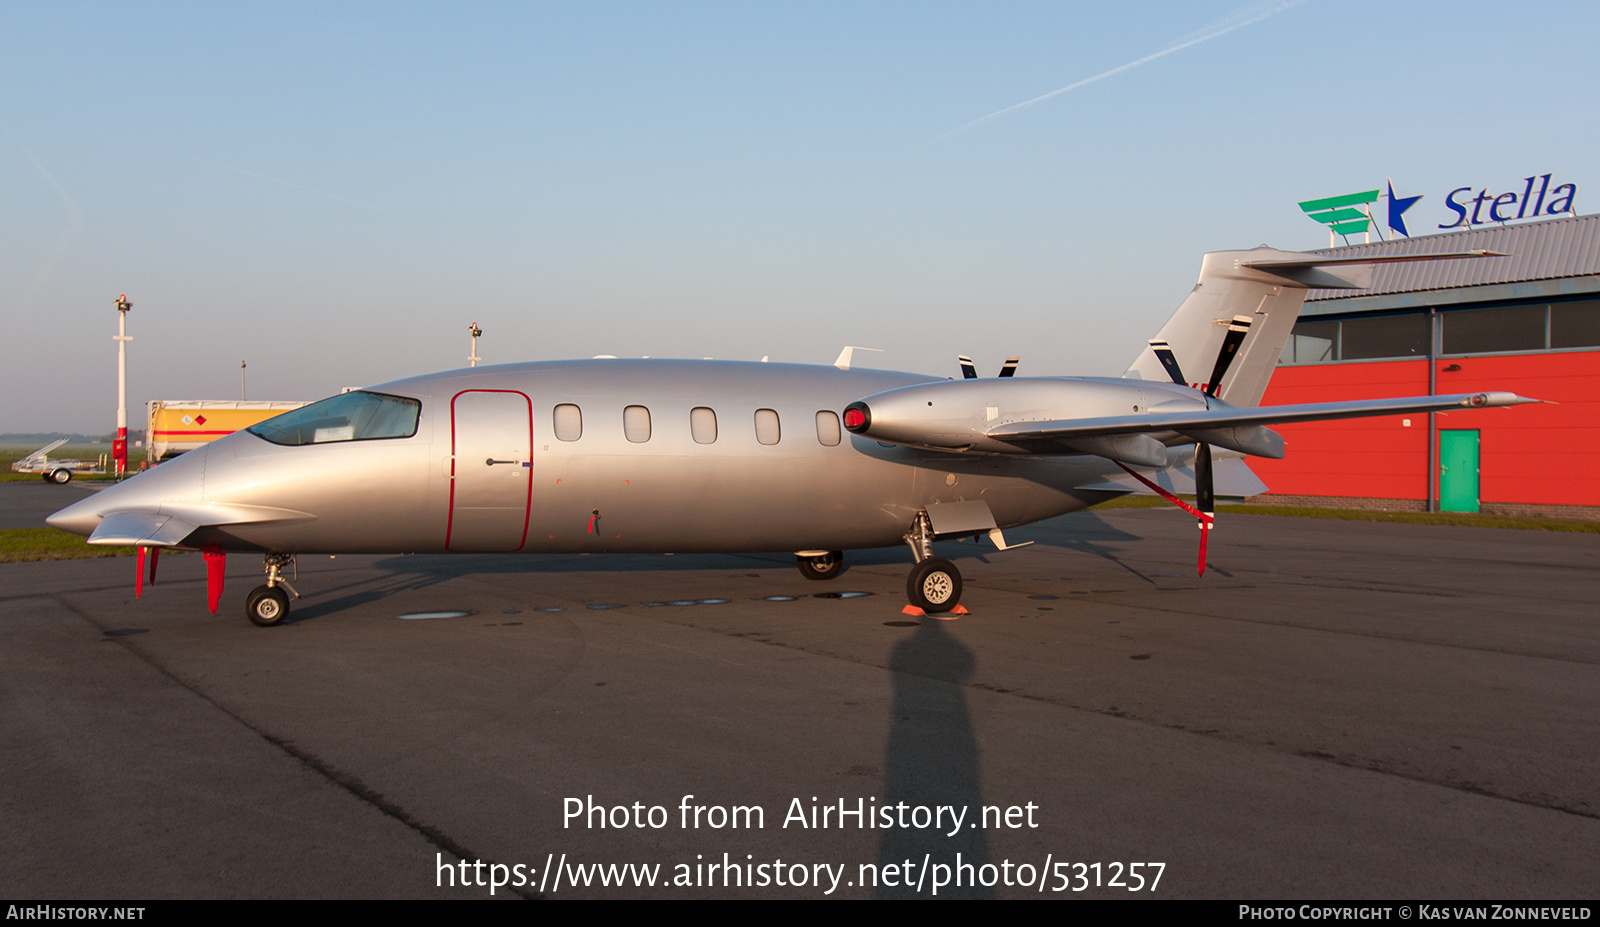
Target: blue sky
[{"x": 332, "y": 192}]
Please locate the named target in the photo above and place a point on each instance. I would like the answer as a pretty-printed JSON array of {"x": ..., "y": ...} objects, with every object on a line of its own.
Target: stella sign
[{"x": 1352, "y": 213}]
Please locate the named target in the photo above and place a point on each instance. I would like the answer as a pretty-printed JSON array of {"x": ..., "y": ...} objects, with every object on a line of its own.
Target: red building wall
[{"x": 1532, "y": 454}]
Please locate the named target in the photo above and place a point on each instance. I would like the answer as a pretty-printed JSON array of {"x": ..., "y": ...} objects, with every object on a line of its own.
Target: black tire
[
  {"x": 934, "y": 585},
  {"x": 826, "y": 566},
  {"x": 60, "y": 476},
  {"x": 267, "y": 606}
]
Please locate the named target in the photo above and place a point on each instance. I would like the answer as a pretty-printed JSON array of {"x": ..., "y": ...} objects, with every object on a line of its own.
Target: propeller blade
[
  {"x": 1237, "y": 329},
  {"x": 1205, "y": 497},
  {"x": 1206, "y": 518},
  {"x": 1010, "y": 366},
  {"x": 968, "y": 371},
  {"x": 1169, "y": 360}
]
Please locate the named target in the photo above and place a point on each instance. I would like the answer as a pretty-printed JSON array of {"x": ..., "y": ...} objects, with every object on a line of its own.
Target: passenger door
[{"x": 491, "y": 482}]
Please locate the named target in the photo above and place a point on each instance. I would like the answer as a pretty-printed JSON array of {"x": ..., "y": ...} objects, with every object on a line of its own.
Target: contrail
[
  {"x": 68, "y": 234},
  {"x": 1238, "y": 19}
]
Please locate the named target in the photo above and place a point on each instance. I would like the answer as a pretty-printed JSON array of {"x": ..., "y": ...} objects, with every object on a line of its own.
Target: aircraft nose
[
  {"x": 81, "y": 517},
  {"x": 178, "y": 479}
]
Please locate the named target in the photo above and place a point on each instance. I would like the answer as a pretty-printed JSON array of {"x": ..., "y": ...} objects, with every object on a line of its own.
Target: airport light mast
[
  {"x": 473, "y": 358},
  {"x": 119, "y": 446}
]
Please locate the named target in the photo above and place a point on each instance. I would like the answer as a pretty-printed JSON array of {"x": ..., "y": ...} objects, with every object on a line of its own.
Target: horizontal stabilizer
[
  {"x": 1306, "y": 260},
  {"x": 1354, "y": 273}
]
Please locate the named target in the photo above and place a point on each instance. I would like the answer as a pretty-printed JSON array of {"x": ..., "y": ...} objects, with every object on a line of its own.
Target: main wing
[{"x": 1233, "y": 428}]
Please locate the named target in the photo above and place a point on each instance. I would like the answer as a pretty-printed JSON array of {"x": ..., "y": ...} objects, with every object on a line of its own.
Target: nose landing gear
[
  {"x": 934, "y": 584},
  {"x": 268, "y": 605}
]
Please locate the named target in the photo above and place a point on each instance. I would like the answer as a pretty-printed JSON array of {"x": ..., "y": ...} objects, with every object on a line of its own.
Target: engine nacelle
[{"x": 960, "y": 415}]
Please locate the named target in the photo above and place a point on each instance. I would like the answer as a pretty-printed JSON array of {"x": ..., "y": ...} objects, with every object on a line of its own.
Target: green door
[{"x": 1458, "y": 471}]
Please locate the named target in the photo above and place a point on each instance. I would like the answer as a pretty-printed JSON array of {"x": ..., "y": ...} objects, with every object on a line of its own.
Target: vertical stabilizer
[
  {"x": 1198, "y": 333},
  {"x": 1240, "y": 314}
]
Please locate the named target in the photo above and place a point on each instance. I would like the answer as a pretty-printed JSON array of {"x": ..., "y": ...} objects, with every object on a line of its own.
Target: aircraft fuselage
[{"x": 650, "y": 456}]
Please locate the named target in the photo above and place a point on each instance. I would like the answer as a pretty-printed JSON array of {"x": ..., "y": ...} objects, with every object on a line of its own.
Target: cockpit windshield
[{"x": 353, "y": 416}]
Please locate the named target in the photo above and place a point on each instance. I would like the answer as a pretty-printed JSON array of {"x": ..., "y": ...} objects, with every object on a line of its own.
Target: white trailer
[{"x": 60, "y": 469}]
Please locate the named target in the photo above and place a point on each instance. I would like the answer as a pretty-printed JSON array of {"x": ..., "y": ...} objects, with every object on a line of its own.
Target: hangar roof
[{"x": 1553, "y": 257}]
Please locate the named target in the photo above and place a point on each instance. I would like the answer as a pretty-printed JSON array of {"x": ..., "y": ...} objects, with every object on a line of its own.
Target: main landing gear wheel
[
  {"x": 934, "y": 585},
  {"x": 59, "y": 476},
  {"x": 823, "y": 566},
  {"x": 267, "y": 606}
]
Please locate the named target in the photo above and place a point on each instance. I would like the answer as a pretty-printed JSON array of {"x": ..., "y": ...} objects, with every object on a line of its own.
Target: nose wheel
[
  {"x": 934, "y": 585},
  {"x": 268, "y": 605}
]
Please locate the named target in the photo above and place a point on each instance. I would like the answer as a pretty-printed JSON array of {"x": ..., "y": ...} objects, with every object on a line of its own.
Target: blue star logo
[{"x": 1397, "y": 210}]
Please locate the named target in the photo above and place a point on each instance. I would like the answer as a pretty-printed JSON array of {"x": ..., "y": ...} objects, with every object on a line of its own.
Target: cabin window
[
  {"x": 767, "y": 426},
  {"x": 703, "y": 425},
  {"x": 828, "y": 428},
  {"x": 354, "y": 416},
  {"x": 568, "y": 420},
  {"x": 636, "y": 424}
]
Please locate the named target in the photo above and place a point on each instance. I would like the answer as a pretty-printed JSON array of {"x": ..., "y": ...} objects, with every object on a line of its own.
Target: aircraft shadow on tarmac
[{"x": 1081, "y": 533}]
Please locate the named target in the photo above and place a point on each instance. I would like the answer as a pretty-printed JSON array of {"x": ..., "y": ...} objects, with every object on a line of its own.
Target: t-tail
[
  {"x": 1235, "y": 323},
  {"x": 1232, "y": 327}
]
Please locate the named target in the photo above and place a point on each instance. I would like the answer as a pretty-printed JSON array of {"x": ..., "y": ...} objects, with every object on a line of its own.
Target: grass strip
[
  {"x": 1466, "y": 519},
  {"x": 18, "y": 545}
]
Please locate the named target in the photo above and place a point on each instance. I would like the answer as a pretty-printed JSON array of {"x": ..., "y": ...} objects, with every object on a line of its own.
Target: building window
[
  {"x": 568, "y": 420},
  {"x": 703, "y": 425},
  {"x": 1489, "y": 331},
  {"x": 1383, "y": 336},
  {"x": 1575, "y": 325},
  {"x": 1363, "y": 338},
  {"x": 828, "y": 428},
  {"x": 636, "y": 424},
  {"x": 1312, "y": 343},
  {"x": 767, "y": 426}
]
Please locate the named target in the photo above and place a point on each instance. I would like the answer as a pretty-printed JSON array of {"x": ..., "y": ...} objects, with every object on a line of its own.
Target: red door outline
[{"x": 527, "y": 506}]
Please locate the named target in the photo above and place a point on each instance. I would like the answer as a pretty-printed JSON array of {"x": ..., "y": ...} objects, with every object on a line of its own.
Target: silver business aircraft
[{"x": 643, "y": 456}]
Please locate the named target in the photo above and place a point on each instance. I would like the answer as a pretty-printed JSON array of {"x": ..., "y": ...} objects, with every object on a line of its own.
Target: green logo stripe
[
  {"x": 1339, "y": 215},
  {"x": 1335, "y": 202}
]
